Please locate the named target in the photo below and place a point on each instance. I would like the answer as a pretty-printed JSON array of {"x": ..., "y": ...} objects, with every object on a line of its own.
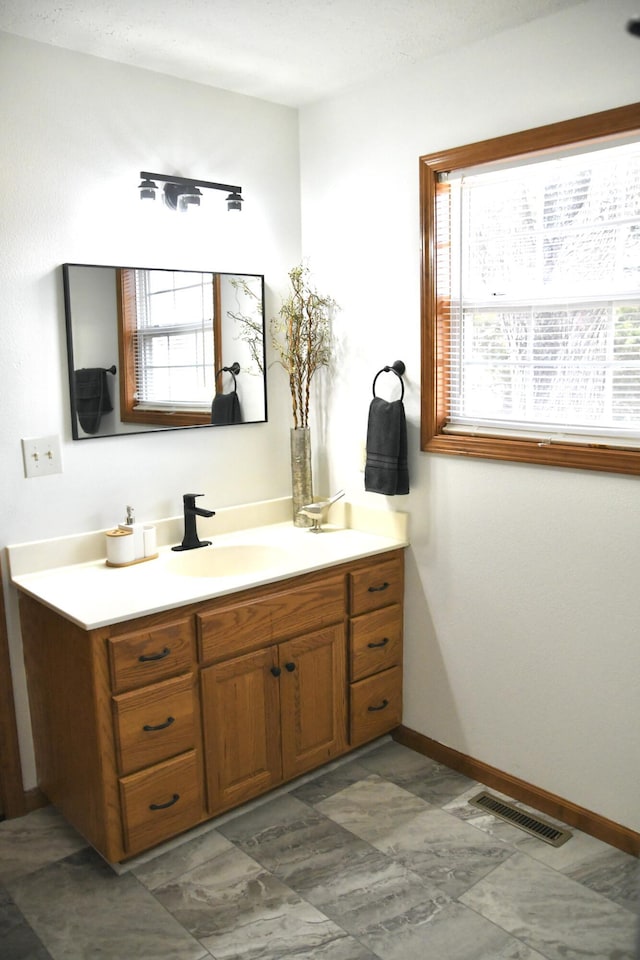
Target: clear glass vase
[{"x": 301, "y": 477}]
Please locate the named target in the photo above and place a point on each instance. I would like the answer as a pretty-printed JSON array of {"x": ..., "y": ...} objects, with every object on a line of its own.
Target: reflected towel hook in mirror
[{"x": 180, "y": 193}]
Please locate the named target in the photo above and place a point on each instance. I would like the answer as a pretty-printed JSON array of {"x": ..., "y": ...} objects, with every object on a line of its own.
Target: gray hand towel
[
  {"x": 386, "y": 469},
  {"x": 92, "y": 397},
  {"x": 226, "y": 408}
]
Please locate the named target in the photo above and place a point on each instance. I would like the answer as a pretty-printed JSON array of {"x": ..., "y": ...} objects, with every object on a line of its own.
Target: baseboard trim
[
  {"x": 570, "y": 813},
  {"x": 34, "y": 799}
]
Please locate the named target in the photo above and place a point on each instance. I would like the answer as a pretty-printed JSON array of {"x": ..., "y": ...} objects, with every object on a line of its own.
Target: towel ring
[
  {"x": 398, "y": 368},
  {"x": 234, "y": 369}
]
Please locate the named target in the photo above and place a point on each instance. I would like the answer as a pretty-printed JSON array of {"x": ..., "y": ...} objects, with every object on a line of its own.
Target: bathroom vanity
[{"x": 148, "y": 725}]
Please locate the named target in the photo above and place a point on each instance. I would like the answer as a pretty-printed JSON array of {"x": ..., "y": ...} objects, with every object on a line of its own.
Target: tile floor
[{"x": 377, "y": 856}]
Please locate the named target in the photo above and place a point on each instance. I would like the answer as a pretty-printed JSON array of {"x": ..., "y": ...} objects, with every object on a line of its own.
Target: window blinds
[
  {"x": 174, "y": 340},
  {"x": 538, "y": 287}
]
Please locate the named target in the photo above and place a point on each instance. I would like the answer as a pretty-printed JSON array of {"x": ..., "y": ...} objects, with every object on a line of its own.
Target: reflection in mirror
[{"x": 155, "y": 349}]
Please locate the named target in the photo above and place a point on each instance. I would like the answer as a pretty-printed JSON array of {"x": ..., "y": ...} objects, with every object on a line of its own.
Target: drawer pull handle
[
  {"x": 276, "y": 671},
  {"x": 290, "y": 667},
  {"x": 385, "y": 703},
  {"x": 160, "y": 726},
  {"x": 146, "y": 657},
  {"x": 383, "y": 586},
  {"x": 163, "y": 806},
  {"x": 378, "y": 643}
]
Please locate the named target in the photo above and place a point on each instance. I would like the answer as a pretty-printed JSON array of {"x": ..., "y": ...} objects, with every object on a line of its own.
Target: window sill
[{"x": 572, "y": 455}]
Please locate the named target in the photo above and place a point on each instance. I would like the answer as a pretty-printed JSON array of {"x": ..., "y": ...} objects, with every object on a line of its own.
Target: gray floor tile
[
  {"x": 590, "y": 861},
  {"x": 427, "y": 779},
  {"x": 80, "y": 908},
  {"x": 553, "y": 914},
  {"x": 17, "y": 939},
  {"x": 30, "y": 842},
  {"x": 240, "y": 911},
  {"x": 339, "y": 873},
  {"x": 451, "y": 933},
  {"x": 444, "y": 851},
  {"x": 595, "y": 864},
  {"x": 159, "y": 871},
  {"x": 326, "y": 784}
]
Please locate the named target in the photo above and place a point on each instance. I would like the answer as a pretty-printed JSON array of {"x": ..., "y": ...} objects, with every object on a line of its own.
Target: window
[
  {"x": 531, "y": 295},
  {"x": 169, "y": 345}
]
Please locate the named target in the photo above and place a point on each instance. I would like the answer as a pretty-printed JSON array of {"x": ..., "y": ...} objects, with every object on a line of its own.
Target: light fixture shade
[
  {"x": 180, "y": 196},
  {"x": 190, "y": 197},
  {"x": 147, "y": 189},
  {"x": 234, "y": 201}
]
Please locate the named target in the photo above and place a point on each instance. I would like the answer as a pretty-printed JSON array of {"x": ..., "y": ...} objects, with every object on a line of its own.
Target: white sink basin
[{"x": 225, "y": 561}]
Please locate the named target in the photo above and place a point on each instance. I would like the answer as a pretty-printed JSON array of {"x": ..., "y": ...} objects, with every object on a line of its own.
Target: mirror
[{"x": 154, "y": 349}]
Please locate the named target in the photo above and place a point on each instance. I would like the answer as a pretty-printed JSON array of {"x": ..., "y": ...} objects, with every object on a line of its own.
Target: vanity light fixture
[{"x": 180, "y": 193}]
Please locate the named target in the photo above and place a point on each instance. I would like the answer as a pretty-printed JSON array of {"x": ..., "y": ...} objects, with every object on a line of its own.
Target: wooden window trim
[
  {"x": 127, "y": 359},
  {"x": 586, "y": 456}
]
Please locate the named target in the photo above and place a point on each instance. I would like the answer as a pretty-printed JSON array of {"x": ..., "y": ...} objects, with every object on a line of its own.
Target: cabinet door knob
[
  {"x": 160, "y": 726},
  {"x": 290, "y": 667},
  {"x": 163, "y": 806},
  {"x": 378, "y": 643},
  {"x": 383, "y": 586},
  {"x": 146, "y": 657},
  {"x": 381, "y": 706},
  {"x": 276, "y": 671}
]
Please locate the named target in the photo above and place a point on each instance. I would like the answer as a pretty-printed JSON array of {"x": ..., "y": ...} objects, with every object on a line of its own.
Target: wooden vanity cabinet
[{"x": 144, "y": 729}]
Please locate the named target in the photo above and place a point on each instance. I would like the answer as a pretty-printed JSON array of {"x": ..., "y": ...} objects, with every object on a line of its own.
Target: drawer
[
  {"x": 375, "y": 641},
  {"x": 376, "y": 705},
  {"x": 149, "y": 655},
  {"x": 239, "y": 628},
  {"x": 154, "y": 723},
  {"x": 378, "y": 585},
  {"x": 160, "y": 802}
]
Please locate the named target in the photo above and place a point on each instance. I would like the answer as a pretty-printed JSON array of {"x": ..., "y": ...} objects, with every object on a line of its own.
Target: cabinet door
[
  {"x": 313, "y": 699},
  {"x": 241, "y": 723}
]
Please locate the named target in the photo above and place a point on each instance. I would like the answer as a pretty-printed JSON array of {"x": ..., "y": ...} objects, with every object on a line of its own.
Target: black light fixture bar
[
  {"x": 190, "y": 183},
  {"x": 181, "y": 192}
]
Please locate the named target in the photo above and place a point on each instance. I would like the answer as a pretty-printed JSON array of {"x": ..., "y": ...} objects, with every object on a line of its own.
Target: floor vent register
[{"x": 520, "y": 818}]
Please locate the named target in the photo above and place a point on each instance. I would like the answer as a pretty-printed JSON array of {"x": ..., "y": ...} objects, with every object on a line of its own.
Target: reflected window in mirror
[{"x": 169, "y": 340}]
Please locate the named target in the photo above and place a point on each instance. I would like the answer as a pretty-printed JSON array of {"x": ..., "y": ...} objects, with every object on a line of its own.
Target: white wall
[
  {"x": 523, "y": 605},
  {"x": 76, "y": 132}
]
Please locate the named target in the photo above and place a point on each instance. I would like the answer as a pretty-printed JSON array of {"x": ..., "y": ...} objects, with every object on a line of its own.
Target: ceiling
[{"x": 291, "y": 52}]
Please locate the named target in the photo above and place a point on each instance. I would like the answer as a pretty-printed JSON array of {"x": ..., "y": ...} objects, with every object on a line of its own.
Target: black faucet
[{"x": 190, "y": 540}]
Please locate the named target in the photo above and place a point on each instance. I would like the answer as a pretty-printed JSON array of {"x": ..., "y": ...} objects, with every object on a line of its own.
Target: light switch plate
[{"x": 41, "y": 456}]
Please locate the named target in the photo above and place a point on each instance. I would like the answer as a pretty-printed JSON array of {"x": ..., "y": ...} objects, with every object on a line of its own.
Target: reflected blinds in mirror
[
  {"x": 169, "y": 324},
  {"x": 174, "y": 339}
]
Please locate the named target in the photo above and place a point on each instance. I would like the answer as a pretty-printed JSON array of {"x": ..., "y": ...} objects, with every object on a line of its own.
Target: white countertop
[{"x": 92, "y": 595}]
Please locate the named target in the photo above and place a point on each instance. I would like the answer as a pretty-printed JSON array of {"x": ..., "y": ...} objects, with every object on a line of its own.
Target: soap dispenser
[{"x": 137, "y": 529}]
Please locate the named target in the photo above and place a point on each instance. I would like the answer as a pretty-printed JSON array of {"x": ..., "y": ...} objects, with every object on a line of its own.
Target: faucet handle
[{"x": 189, "y": 500}]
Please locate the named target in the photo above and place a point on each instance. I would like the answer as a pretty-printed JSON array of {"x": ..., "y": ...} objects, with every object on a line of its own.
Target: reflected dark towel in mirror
[
  {"x": 92, "y": 397},
  {"x": 226, "y": 408},
  {"x": 386, "y": 469}
]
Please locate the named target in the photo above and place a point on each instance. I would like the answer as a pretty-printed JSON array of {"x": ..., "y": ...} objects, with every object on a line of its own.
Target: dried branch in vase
[{"x": 302, "y": 336}]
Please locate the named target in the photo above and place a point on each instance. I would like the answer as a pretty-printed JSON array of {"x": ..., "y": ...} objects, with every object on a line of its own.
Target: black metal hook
[
  {"x": 234, "y": 370},
  {"x": 398, "y": 368}
]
